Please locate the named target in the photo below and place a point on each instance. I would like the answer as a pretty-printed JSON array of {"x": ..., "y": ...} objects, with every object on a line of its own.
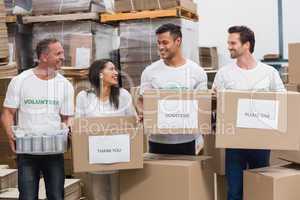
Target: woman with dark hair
[{"x": 105, "y": 99}]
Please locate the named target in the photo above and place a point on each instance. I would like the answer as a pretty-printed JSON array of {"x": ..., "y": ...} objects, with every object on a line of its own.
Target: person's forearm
[
  {"x": 66, "y": 120},
  {"x": 7, "y": 121}
]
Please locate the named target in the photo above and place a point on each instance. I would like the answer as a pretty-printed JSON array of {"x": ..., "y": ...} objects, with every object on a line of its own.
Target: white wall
[
  {"x": 291, "y": 23},
  {"x": 259, "y": 15}
]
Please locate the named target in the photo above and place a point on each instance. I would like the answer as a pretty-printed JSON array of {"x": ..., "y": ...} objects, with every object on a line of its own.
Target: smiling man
[
  {"x": 173, "y": 71},
  {"x": 251, "y": 75},
  {"x": 41, "y": 99}
]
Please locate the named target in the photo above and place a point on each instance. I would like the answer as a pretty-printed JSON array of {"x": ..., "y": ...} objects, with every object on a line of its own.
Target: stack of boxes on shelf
[
  {"x": 138, "y": 47},
  {"x": 292, "y": 71},
  {"x": 209, "y": 58},
  {"x": 72, "y": 191},
  {"x": 4, "y": 53},
  {"x": 70, "y": 6}
]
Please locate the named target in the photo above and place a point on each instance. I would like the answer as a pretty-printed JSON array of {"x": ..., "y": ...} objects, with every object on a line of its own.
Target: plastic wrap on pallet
[
  {"x": 138, "y": 47},
  {"x": 138, "y": 5},
  {"x": 139, "y": 54},
  {"x": 83, "y": 41},
  {"x": 141, "y": 34},
  {"x": 9, "y": 5},
  {"x": 12, "y": 30},
  {"x": 3, "y": 33},
  {"x": 69, "y": 6}
]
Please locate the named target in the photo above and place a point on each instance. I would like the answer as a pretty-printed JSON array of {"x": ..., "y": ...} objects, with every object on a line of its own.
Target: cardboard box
[
  {"x": 107, "y": 143},
  {"x": 294, "y": 63},
  {"x": 221, "y": 187},
  {"x": 272, "y": 183},
  {"x": 81, "y": 50},
  {"x": 83, "y": 41},
  {"x": 72, "y": 191},
  {"x": 96, "y": 186},
  {"x": 217, "y": 161},
  {"x": 138, "y": 5},
  {"x": 70, "y": 6},
  {"x": 292, "y": 87},
  {"x": 135, "y": 94},
  {"x": 168, "y": 180},
  {"x": 290, "y": 156},
  {"x": 209, "y": 57},
  {"x": 8, "y": 178},
  {"x": 177, "y": 112},
  {"x": 276, "y": 160},
  {"x": 258, "y": 120}
]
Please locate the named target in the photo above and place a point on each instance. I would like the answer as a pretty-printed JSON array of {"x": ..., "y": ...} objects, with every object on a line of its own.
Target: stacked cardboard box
[
  {"x": 9, "y": 4},
  {"x": 272, "y": 183},
  {"x": 138, "y": 5},
  {"x": 8, "y": 70},
  {"x": 292, "y": 87},
  {"x": 3, "y": 34},
  {"x": 72, "y": 191},
  {"x": 78, "y": 77},
  {"x": 83, "y": 41},
  {"x": 8, "y": 178},
  {"x": 138, "y": 47},
  {"x": 69, "y": 6},
  {"x": 217, "y": 161},
  {"x": 96, "y": 186},
  {"x": 168, "y": 180},
  {"x": 221, "y": 187},
  {"x": 293, "y": 66},
  {"x": 208, "y": 57}
]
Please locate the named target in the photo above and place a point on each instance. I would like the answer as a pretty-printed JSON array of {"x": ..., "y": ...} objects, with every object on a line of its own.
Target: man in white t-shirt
[
  {"x": 245, "y": 74},
  {"x": 42, "y": 99},
  {"x": 173, "y": 71}
]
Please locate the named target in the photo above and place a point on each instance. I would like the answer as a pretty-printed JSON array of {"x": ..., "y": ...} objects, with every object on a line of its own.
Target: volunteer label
[
  {"x": 109, "y": 149},
  {"x": 177, "y": 114},
  {"x": 260, "y": 114}
]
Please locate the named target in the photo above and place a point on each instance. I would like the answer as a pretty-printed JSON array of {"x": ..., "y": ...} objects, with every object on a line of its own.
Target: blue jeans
[
  {"x": 29, "y": 171},
  {"x": 238, "y": 160}
]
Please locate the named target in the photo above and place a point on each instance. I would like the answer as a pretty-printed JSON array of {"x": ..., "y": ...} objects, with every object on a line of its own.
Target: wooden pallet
[
  {"x": 11, "y": 19},
  {"x": 60, "y": 17},
  {"x": 3, "y": 61},
  {"x": 149, "y": 14}
]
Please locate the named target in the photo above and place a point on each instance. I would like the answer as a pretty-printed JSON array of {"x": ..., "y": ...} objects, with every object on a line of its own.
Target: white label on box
[
  {"x": 260, "y": 114},
  {"x": 109, "y": 149},
  {"x": 83, "y": 57},
  {"x": 174, "y": 114}
]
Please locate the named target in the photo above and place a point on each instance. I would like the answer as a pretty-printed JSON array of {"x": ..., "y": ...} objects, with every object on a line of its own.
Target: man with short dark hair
[
  {"x": 42, "y": 99},
  {"x": 173, "y": 71},
  {"x": 251, "y": 75}
]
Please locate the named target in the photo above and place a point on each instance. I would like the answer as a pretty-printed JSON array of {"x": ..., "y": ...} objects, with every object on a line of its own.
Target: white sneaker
[{"x": 21, "y": 11}]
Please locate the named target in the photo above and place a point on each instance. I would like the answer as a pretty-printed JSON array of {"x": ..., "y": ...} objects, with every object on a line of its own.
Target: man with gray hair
[{"x": 41, "y": 99}]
